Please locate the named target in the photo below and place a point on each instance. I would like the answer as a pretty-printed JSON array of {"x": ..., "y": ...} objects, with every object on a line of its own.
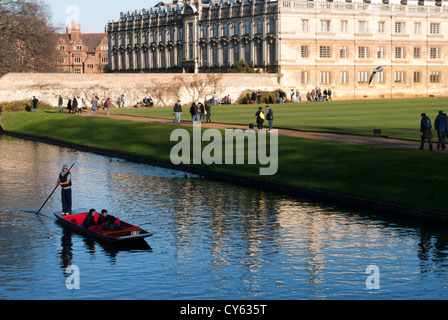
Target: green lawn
[
  {"x": 408, "y": 177},
  {"x": 396, "y": 118}
]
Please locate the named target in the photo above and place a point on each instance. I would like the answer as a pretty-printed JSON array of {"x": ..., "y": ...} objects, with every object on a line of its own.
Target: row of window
[
  {"x": 363, "y": 52},
  {"x": 81, "y": 48},
  {"x": 363, "y": 26},
  {"x": 364, "y": 77},
  {"x": 62, "y": 60}
]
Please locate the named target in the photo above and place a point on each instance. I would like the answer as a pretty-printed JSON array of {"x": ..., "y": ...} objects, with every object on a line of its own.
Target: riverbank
[{"x": 377, "y": 179}]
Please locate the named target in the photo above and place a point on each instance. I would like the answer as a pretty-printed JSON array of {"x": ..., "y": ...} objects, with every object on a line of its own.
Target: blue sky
[{"x": 93, "y": 14}]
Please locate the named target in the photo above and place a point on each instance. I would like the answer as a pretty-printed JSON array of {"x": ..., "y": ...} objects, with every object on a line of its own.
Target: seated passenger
[
  {"x": 109, "y": 221},
  {"x": 89, "y": 220}
]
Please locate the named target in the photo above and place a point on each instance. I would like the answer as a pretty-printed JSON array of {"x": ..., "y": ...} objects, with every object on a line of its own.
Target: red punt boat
[{"x": 130, "y": 232}]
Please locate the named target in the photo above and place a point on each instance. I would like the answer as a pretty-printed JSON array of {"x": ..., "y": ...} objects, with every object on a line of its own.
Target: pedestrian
[
  {"x": 34, "y": 103},
  {"x": 80, "y": 104},
  {"x": 215, "y": 99},
  {"x": 122, "y": 100},
  {"x": 425, "y": 130},
  {"x": 65, "y": 181},
  {"x": 193, "y": 110},
  {"x": 259, "y": 95},
  {"x": 201, "y": 110},
  {"x": 207, "y": 111},
  {"x": 329, "y": 94},
  {"x": 298, "y": 95},
  {"x": 325, "y": 95},
  {"x": 253, "y": 97},
  {"x": 69, "y": 106},
  {"x": 260, "y": 118},
  {"x": 270, "y": 117},
  {"x": 60, "y": 102},
  {"x": 292, "y": 95},
  {"x": 440, "y": 124},
  {"x": 177, "y": 111},
  {"x": 94, "y": 103},
  {"x": 75, "y": 105},
  {"x": 108, "y": 104}
]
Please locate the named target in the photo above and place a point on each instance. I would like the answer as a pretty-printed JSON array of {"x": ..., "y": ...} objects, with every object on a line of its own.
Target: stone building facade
[
  {"x": 308, "y": 43},
  {"x": 78, "y": 52}
]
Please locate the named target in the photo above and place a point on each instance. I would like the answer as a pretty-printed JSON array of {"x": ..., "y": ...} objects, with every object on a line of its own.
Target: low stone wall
[{"x": 164, "y": 89}]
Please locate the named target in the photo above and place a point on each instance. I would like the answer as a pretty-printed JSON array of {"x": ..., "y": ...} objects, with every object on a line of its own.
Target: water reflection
[{"x": 211, "y": 240}]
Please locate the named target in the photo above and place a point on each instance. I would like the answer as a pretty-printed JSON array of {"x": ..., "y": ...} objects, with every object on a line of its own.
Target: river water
[{"x": 211, "y": 240}]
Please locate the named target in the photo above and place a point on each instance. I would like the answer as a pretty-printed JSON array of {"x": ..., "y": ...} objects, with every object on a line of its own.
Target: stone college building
[{"x": 308, "y": 44}]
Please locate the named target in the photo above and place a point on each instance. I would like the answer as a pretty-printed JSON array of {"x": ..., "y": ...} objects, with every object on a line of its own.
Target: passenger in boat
[
  {"x": 109, "y": 221},
  {"x": 89, "y": 220}
]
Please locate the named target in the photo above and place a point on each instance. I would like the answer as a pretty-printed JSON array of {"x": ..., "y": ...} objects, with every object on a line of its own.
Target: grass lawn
[
  {"x": 408, "y": 177},
  {"x": 396, "y": 118}
]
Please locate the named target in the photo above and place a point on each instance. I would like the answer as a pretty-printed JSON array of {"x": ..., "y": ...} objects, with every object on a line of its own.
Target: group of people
[
  {"x": 316, "y": 95},
  {"x": 200, "y": 112},
  {"x": 441, "y": 126},
  {"x": 105, "y": 221},
  {"x": 269, "y": 116},
  {"x": 76, "y": 105}
]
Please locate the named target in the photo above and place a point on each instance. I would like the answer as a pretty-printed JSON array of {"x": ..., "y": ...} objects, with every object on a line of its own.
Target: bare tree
[{"x": 27, "y": 41}]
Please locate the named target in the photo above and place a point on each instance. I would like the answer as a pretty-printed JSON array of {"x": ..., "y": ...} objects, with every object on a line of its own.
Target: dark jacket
[
  {"x": 259, "y": 119},
  {"x": 440, "y": 124},
  {"x": 177, "y": 108},
  {"x": 89, "y": 221},
  {"x": 269, "y": 114},
  {"x": 424, "y": 129}
]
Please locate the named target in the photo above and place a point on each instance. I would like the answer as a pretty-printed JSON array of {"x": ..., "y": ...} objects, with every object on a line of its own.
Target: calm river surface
[{"x": 211, "y": 240}]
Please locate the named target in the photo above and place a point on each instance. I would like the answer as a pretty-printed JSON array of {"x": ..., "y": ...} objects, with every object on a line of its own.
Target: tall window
[
  {"x": 434, "y": 77},
  {"x": 343, "y": 77},
  {"x": 247, "y": 27},
  {"x": 324, "y": 77},
  {"x": 417, "y": 53},
  {"x": 399, "y": 27},
  {"x": 417, "y": 77},
  {"x": 363, "y": 52},
  {"x": 304, "y": 51},
  {"x": 304, "y": 77},
  {"x": 343, "y": 25},
  {"x": 363, "y": 26},
  {"x": 236, "y": 53},
  {"x": 380, "y": 52},
  {"x": 225, "y": 29},
  {"x": 325, "y": 25},
  {"x": 259, "y": 26},
  {"x": 324, "y": 52},
  {"x": 434, "y": 28},
  {"x": 399, "y": 77},
  {"x": 434, "y": 53},
  {"x": 399, "y": 53},
  {"x": 381, "y": 26},
  {"x": 417, "y": 27},
  {"x": 343, "y": 52},
  {"x": 362, "y": 77},
  {"x": 236, "y": 29},
  {"x": 304, "y": 25},
  {"x": 271, "y": 25}
]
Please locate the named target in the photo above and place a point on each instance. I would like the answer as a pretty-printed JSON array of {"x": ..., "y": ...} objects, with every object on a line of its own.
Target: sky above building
[{"x": 93, "y": 14}]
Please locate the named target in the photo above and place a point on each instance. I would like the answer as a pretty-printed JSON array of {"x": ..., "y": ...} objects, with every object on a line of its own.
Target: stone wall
[{"x": 164, "y": 88}]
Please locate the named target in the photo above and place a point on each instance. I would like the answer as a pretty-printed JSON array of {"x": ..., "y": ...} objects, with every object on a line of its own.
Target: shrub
[
  {"x": 266, "y": 97},
  {"x": 24, "y": 105}
]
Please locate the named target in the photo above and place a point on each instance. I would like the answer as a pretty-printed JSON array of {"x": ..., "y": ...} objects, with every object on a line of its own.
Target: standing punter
[{"x": 65, "y": 181}]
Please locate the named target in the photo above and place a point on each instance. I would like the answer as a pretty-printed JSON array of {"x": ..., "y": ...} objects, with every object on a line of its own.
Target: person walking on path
[
  {"x": 425, "y": 130},
  {"x": 260, "y": 118},
  {"x": 94, "y": 103},
  {"x": 34, "y": 104},
  {"x": 108, "y": 106},
  {"x": 193, "y": 110},
  {"x": 269, "y": 117},
  {"x": 60, "y": 103},
  {"x": 259, "y": 95},
  {"x": 123, "y": 100},
  {"x": 292, "y": 95},
  {"x": 75, "y": 105},
  {"x": 207, "y": 111},
  {"x": 298, "y": 95},
  {"x": 440, "y": 124},
  {"x": 65, "y": 181},
  {"x": 177, "y": 111}
]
